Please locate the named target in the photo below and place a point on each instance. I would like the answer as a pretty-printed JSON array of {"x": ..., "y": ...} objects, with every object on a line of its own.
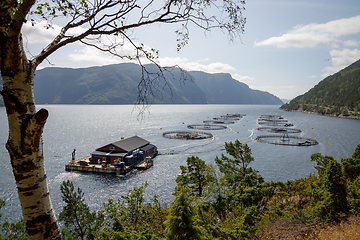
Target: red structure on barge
[
  {"x": 118, "y": 158},
  {"x": 128, "y": 150}
]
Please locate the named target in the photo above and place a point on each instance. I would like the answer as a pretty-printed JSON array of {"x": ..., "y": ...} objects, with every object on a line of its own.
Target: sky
[{"x": 288, "y": 46}]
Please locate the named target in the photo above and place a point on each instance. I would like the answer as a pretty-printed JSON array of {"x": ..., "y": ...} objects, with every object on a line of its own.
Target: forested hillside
[
  {"x": 337, "y": 95},
  {"x": 112, "y": 84},
  {"x": 229, "y": 200},
  {"x": 118, "y": 84}
]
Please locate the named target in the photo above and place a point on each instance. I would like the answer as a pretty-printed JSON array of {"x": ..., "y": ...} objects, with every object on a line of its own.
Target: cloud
[
  {"x": 215, "y": 67},
  {"x": 94, "y": 57},
  {"x": 351, "y": 43},
  {"x": 39, "y": 33},
  {"x": 244, "y": 79},
  {"x": 341, "y": 59},
  {"x": 285, "y": 92},
  {"x": 313, "y": 34}
]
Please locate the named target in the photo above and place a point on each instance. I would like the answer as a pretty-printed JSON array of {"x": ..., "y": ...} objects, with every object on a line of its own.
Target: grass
[{"x": 346, "y": 230}]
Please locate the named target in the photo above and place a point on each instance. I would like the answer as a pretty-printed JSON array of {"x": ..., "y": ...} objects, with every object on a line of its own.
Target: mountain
[
  {"x": 112, "y": 84},
  {"x": 222, "y": 88},
  {"x": 336, "y": 95},
  {"x": 118, "y": 84}
]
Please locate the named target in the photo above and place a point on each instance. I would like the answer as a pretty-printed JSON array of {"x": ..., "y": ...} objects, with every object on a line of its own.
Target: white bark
[{"x": 25, "y": 129}]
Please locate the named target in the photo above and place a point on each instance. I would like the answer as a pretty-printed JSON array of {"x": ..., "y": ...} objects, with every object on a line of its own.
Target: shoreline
[{"x": 327, "y": 115}]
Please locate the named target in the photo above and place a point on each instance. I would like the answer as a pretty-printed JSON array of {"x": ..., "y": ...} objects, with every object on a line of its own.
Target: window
[{"x": 112, "y": 148}]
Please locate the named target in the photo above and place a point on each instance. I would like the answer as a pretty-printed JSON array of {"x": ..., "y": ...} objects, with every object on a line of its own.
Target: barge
[{"x": 117, "y": 158}]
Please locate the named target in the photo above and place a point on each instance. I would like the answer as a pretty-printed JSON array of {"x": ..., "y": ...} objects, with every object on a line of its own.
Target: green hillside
[
  {"x": 336, "y": 95},
  {"x": 112, "y": 84},
  {"x": 119, "y": 84}
]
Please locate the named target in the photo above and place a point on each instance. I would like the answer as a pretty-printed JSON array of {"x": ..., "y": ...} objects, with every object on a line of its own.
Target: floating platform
[
  {"x": 287, "y": 140},
  {"x": 219, "y": 121},
  {"x": 206, "y": 127},
  {"x": 271, "y": 117},
  {"x": 234, "y": 115},
  {"x": 225, "y": 118},
  {"x": 188, "y": 135},
  {"x": 272, "y": 120},
  {"x": 279, "y": 130},
  {"x": 84, "y": 165},
  {"x": 280, "y": 124}
]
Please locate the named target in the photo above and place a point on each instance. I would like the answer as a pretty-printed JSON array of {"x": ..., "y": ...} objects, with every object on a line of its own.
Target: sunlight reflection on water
[{"x": 87, "y": 127}]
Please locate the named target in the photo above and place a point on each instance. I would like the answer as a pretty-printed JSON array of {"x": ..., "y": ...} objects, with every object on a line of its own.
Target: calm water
[{"x": 86, "y": 128}]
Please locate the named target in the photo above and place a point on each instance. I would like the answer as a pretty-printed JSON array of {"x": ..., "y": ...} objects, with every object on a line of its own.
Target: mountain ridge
[{"x": 118, "y": 84}]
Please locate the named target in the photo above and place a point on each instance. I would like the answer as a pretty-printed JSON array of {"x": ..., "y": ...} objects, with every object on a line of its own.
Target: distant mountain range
[
  {"x": 118, "y": 84},
  {"x": 337, "y": 95}
]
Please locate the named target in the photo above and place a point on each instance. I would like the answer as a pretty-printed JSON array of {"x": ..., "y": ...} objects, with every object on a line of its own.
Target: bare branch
[
  {"x": 107, "y": 17},
  {"x": 99, "y": 18}
]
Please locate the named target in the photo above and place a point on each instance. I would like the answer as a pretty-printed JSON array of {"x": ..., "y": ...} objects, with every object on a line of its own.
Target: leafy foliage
[
  {"x": 12, "y": 230},
  {"x": 196, "y": 175},
  {"x": 321, "y": 162},
  {"x": 237, "y": 168},
  {"x": 354, "y": 196},
  {"x": 236, "y": 212},
  {"x": 76, "y": 215}
]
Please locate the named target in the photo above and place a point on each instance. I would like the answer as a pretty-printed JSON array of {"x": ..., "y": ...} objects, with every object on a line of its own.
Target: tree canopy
[{"x": 89, "y": 22}]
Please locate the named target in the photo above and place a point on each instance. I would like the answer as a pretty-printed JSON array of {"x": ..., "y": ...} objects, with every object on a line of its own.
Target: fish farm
[
  {"x": 272, "y": 123},
  {"x": 187, "y": 135},
  {"x": 284, "y": 138},
  {"x": 273, "y": 120},
  {"x": 206, "y": 127},
  {"x": 226, "y": 118},
  {"x": 287, "y": 140},
  {"x": 271, "y": 117},
  {"x": 279, "y": 130},
  {"x": 214, "y": 124},
  {"x": 218, "y": 122}
]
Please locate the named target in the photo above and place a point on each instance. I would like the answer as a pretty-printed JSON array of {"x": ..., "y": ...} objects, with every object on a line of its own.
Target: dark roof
[
  {"x": 132, "y": 143},
  {"x": 147, "y": 147},
  {"x": 110, "y": 154}
]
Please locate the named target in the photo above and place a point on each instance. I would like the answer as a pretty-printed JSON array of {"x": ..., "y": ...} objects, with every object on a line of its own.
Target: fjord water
[{"x": 87, "y": 127}]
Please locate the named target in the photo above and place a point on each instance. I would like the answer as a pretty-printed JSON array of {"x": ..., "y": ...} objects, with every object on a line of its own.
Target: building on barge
[{"x": 118, "y": 157}]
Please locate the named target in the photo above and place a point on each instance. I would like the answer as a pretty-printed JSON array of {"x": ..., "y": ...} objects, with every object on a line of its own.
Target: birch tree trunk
[
  {"x": 98, "y": 18},
  {"x": 25, "y": 137}
]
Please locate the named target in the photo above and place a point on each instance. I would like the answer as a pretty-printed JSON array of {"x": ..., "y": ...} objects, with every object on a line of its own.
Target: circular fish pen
[
  {"x": 278, "y": 124},
  {"x": 287, "y": 140},
  {"x": 223, "y": 118},
  {"x": 187, "y": 135},
  {"x": 218, "y": 122},
  {"x": 271, "y": 117},
  {"x": 272, "y": 120},
  {"x": 234, "y": 115},
  {"x": 278, "y": 130},
  {"x": 207, "y": 127}
]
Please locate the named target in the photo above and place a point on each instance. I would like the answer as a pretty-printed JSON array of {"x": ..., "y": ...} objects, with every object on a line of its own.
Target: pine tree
[
  {"x": 181, "y": 221},
  {"x": 237, "y": 168},
  {"x": 196, "y": 175},
  {"x": 76, "y": 213}
]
